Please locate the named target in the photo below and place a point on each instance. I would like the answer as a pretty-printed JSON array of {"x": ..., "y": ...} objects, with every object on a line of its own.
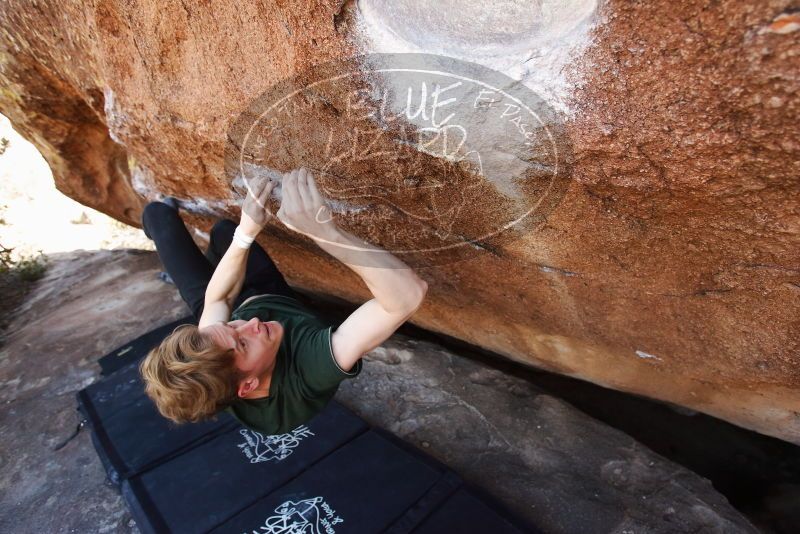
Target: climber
[{"x": 272, "y": 363}]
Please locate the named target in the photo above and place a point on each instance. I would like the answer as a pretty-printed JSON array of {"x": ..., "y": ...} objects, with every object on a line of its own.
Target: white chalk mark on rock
[
  {"x": 534, "y": 42},
  {"x": 645, "y": 355}
]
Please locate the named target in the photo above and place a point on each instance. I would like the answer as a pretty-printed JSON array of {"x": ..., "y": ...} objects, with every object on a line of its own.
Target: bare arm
[
  {"x": 398, "y": 293},
  {"x": 228, "y": 278},
  {"x": 366, "y": 328},
  {"x": 224, "y": 286},
  {"x": 397, "y": 289},
  {"x": 394, "y": 284}
]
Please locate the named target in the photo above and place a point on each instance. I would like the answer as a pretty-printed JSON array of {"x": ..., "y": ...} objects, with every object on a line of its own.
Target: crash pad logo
[
  {"x": 429, "y": 157},
  {"x": 308, "y": 516},
  {"x": 260, "y": 448}
]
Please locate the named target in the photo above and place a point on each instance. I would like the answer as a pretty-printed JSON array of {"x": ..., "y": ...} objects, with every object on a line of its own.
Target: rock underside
[{"x": 666, "y": 266}]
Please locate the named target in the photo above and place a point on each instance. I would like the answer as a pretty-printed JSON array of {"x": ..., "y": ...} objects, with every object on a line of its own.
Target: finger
[
  {"x": 254, "y": 187},
  {"x": 250, "y": 200},
  {"x": 262, "y": 184},
  {"x": 263, "y": 197},
  {"x": 254, "y": 203},
  {"x": 302, "y": 188},
  {"x": 316, "y": 197},
  {"x": 269, "y": 185},
  {"x": 290, "y": 188}
]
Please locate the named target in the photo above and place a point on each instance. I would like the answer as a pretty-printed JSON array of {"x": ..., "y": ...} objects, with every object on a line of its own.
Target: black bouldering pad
[
  {"x": 129, "y": 433},
  {"x": 333, "y": 474},
  {"x": 465, "y": 512},
  {"x": 364, "y": 486},
  {"x": 232, "y": 471},
  {"x": 107, "y": 396}
]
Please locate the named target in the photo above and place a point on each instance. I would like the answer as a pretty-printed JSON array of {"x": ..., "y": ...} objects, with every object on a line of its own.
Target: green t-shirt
[{"x": 305, "y": 376}]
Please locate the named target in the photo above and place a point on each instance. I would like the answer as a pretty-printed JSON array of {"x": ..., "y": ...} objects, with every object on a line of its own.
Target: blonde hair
[{"x": 188, "y": 377}]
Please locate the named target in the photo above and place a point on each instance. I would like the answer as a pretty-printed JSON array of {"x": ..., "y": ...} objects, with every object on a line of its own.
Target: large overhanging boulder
[{"x": 661, "y": 258}]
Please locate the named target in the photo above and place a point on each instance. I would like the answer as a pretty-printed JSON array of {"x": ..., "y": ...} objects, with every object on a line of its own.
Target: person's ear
[{"x": 247, "y": 385}]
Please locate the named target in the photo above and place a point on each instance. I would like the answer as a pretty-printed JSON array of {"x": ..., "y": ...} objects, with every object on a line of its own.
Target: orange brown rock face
[{"x": 669, "y": 268}]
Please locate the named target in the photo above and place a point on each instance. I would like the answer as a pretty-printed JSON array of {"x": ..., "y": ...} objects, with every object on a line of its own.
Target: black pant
[{"x": 191, "y": 270}]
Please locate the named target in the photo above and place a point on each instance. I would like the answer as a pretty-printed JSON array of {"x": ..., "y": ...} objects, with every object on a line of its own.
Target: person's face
[{"x": 254, "y": 343}]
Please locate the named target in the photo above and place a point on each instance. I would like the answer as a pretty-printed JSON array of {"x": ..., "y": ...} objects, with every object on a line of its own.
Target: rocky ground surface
[
  {"x": 540, "y": 456},
  {"x": 36, "y": 220},
  {"x": 547, "y": 461}
]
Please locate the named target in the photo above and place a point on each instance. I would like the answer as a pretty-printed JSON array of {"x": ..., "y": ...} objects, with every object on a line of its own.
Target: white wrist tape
[{"x": 242, "y": 240}]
